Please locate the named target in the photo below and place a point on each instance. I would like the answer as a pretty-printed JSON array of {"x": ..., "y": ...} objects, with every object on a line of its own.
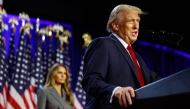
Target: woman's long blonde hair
[{"x": 50, "y": 82}]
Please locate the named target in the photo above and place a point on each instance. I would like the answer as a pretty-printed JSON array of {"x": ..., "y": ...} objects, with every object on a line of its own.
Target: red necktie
[{"x": 136, "y": 65}]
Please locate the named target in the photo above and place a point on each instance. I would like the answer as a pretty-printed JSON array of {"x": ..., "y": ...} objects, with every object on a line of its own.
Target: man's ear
[{"x": 114, "y": 25}]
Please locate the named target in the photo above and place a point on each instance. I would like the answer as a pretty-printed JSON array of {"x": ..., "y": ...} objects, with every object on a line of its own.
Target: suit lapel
[
  {"x": 125, "y": 54},
  {"x": 57, "y": 96}
]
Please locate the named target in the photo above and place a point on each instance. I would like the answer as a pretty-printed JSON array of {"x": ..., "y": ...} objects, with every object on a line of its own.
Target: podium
[{"x": 167, "y": 93}]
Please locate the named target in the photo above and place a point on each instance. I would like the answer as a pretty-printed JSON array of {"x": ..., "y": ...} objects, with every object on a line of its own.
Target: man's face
[{"x": 128, "y": 27}]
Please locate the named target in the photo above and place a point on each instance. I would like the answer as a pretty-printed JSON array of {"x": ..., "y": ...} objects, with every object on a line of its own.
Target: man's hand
[{"x": 124, "y": 95}]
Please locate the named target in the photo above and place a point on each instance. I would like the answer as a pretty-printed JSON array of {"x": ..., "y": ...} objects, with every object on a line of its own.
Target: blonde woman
[{"x": 56, "y": 94}]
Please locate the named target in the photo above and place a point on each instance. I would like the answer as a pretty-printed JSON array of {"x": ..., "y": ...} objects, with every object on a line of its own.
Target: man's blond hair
[{"x": 119, "y": 9}]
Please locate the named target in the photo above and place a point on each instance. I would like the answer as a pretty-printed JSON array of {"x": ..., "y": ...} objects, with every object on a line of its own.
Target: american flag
[
  {"x": 59, "y": 52},
  {"x": 3, "y": 73},
  {"x": 44, "y": 61},
  {"x": 67, "y": 60},
  {"x": 51, "y": 54},
  {"x": 20, "y": 89},
  {"x": 41, "y": 36},
  {"x": 11, "y": 54},
  {"x": 80, "y": 94},
  {"x": 38, "y": 73},
  {"x": 29, "y": 83}
]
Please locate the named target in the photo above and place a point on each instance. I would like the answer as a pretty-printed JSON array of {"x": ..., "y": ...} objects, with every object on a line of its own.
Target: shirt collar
[{"x": 121, "y": 40}]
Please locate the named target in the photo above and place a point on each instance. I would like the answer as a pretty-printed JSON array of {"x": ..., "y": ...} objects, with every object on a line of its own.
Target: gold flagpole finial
[
  {"x": 43, "y": 32},
  {"x": 13, "y": 22},
  {"x": 67, "y": 33},
  {"x": 87, "y": 39},
  {"x": 2, "y": 12},
  {"x": 23, "y": 16},
  {"x": 49, "y": 30},
  {"x": 57, "y": 29},
  {"x": 28, "y": 26}
]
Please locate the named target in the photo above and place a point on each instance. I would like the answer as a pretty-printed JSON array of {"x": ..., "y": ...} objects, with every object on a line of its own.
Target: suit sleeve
[
  {"x": 96, "y": 64},
  {"x": 41, "y": 99}
]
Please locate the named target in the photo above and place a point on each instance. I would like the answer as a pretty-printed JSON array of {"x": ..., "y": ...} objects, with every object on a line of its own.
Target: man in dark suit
[{"x": 110, "y": 74}]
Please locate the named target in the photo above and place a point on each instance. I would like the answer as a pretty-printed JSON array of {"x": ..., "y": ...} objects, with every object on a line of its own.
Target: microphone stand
[{"x": 164, "y": 38}]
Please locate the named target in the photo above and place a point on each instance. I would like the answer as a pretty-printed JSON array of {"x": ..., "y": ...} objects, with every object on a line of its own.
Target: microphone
[
  {"x": 160, "y": 34},
  {"x": 172, "y": 38},
  {"x": 163, "y": 35}
]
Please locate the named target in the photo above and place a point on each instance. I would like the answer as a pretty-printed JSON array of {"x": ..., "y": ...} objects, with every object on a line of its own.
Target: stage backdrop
[{"x": 29, "y": 46}]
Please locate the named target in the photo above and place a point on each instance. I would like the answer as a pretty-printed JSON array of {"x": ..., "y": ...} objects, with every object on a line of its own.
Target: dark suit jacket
[
  {"x": 48, "y": 98},
  {"x": 107, "y": 65}
]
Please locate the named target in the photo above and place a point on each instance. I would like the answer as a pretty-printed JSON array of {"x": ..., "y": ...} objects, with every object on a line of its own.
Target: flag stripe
[
  {"x": 27, "y": 96},
  {"x": 9, "y": 106},
  {"x": 33, "y": 94},
  {"x": 25, "y": 101},
  {"x": 5, "y": 93},
  {"x": 76, "y": 102},
  {"x": 2, "y": 104},
  {"x": 14, "y": 97}
]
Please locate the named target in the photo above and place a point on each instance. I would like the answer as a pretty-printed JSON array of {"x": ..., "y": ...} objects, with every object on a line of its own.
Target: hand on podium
[{"x": 124, "y": 95}]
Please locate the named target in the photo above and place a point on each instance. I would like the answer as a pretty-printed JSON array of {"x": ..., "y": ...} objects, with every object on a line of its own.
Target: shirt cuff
[{"x": 113, "y": 93}]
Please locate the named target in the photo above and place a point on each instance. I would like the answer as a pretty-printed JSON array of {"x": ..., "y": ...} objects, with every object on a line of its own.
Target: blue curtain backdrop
[{"x": 163, "y": 59}]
